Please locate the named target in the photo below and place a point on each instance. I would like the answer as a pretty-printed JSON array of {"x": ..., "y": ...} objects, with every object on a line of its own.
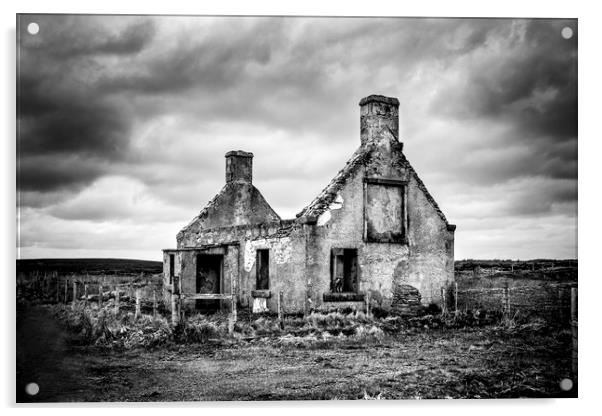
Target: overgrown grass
[{"x": 107, "y": 327}]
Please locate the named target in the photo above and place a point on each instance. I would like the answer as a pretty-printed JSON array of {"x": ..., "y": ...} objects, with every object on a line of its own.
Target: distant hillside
[
  {"x": 537, "y": 269},
  {"x": 470, "y": 264},
  {"x": 90, "y": 266}
]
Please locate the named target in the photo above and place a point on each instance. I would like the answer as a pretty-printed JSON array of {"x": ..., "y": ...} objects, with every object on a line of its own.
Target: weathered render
[{"x": 373, "y": 231}]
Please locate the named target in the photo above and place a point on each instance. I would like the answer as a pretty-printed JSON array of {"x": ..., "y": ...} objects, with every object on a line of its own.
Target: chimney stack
[
  {"x": 239, "y": 167},
  {"x": 377, "y": 112}
]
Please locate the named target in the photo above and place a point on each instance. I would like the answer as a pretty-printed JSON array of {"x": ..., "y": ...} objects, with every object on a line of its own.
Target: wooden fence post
[
  {"x": 74, "y": 294},
  {"x": 117, "y": 298},
  {"x": 456, "y": 298},
  {"x": 100, "y": 295},
  {"x": 561, "y": 314},
  {"x": 66, "y": 289},
  {"x": 367, "y": 299},
  {"x": 154, "y": 303},
  {"x": 506, "y": 301},
  {"x": 181, "y": 312},
  {"x": 137, "y": 315},
  {"x": 58, "y": 289},
  {"x": 85, "y": 295},
  {"x": 280, "y": 302},
  {"x": 234, "y": 314},
  {"x": 443, "y": 301},
  {"x": 574, "y": 329},
  {"x": 175, "y": 303}
]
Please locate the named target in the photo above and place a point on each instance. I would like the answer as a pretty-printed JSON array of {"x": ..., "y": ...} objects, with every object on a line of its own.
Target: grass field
[
  {"x": 99, "y": 353},
  {"x": 89, "y": 266},
  {"x": 416, "y": 362}
]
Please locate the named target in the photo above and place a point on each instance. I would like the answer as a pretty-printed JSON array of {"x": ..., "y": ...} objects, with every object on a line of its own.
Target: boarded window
[
  {"x": 343, "y": 270},
  {"x": 385, "y": 211},
  {"x": 263, "y": 270},
  {"x": 171, "y": 268}
]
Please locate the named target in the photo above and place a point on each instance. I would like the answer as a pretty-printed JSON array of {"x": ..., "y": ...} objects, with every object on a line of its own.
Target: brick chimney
[
  {"x": 376, "y": 112},
  {"x": 239, "y": 167}
]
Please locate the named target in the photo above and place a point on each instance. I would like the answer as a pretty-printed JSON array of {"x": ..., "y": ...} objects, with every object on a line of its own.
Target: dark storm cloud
[
  {"x": 269, "y": 71},
  {"x": 70, "y": 37},
  {"x": 497, "y": 165},
  {"x": 56, "y": 172},
  {"x": 215, "y": 62},
  {"x": 525, "y": 79},
  {"x": 535, "y": 87},
  {"x": 541, "y": 202},
  {"x": 67, "y": 123},
  {"x": 54, "y": 119},
  {"x": 63, "y": 134},
  {"x": 281, "y": 72},
  {"x": 136, "y": 113}
]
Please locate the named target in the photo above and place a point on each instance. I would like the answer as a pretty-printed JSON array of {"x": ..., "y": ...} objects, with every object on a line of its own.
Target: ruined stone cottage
[{"x": 374, "y": 231}]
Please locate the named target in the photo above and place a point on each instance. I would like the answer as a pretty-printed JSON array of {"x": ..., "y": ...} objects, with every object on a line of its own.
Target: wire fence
[
  {"x": 139, "y": 292},
  {"x": 544, "y": 299}
]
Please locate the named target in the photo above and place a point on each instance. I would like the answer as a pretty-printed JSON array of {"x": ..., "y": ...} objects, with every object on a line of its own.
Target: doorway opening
[{"x": 208, "y": 280}]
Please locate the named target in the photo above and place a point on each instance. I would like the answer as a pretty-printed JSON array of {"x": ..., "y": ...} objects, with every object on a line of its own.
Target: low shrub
[
  {"x": 432, "y": 309},
  {"x": 379, "y": 313},
  {"x": 105, "y": 326},
  {"x": 200, "y": 332},
  {"x": 368, "y": 332},
  {"x": 110, "y": 328}
]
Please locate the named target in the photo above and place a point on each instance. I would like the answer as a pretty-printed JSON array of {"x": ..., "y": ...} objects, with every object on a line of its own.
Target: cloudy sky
[{"x": 123, "y": 123}]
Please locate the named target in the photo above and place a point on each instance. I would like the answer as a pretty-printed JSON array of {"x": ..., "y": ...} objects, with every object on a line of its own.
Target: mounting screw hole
[
  {"x": 566, "y": 384},
  {"x": 32, "y": 389},
  {"x": 33, "y": 28},
  {"x": 567, "y": 32}
]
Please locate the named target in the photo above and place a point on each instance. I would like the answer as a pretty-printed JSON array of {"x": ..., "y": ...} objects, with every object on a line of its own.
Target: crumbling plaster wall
[
  {"x": 167, "y": 287},
  {"x": 287, "y": 260},
  {"x": 286, "y": 268},
  {"x": 187, "y": 262},
  {"x": 430, "y": 265},
  {"x": 344, "y": 229},
  {"x": 235, "y": 205},
  {"x": 426, "y": 262}
]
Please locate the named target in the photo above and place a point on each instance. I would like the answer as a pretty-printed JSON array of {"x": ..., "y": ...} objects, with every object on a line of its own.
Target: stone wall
[
  {"x": 416, "y": 249},
  {"x": 237, "y": 204},
  {"x": 344, "y": 229},
  {"x": 550, "y": 300},
  {"x": 426, "y": 262},
  {"x": 430, "y": 264},
  {"x": 287, "y": 271},
  {"x": 300, "y": 255}
]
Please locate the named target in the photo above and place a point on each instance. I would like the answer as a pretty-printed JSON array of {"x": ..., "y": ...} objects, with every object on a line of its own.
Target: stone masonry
[{"x": 374, "y": 231}]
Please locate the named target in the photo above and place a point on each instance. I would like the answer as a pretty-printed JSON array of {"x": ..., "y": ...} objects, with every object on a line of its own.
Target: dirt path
[
  {"x": 471, "y": 363},
  {"x": 41, "y": 352}
]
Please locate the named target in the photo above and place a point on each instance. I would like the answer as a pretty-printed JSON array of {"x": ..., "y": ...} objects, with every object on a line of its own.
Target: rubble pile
[{"x": 406, "y": 301}]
